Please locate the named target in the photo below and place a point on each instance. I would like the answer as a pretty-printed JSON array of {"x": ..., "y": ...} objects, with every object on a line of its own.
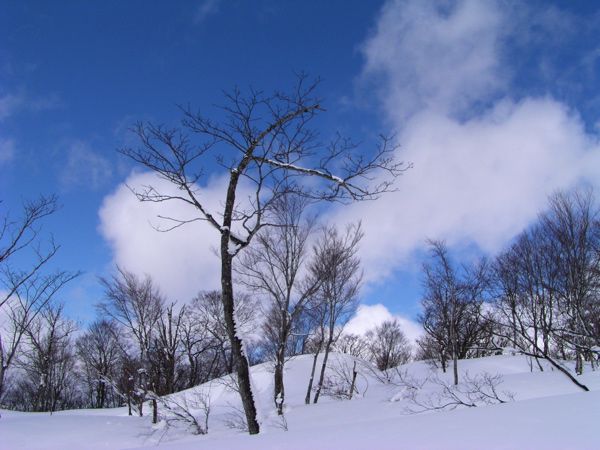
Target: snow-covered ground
[{"x": 548, "y": 412}]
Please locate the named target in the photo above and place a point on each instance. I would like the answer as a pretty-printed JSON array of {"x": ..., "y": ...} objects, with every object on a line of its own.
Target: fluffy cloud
[
  {"x": 368, "y": 317},
  {"x": 182, "y": 261},
  {"x": 484, "y": 162}
]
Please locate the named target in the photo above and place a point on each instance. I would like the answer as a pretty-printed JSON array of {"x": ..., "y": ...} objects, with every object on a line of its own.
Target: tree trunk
[
  {"x": 454, "y": 350},
  {"x": 279, "y": 391},
  {"x": 353, "y": 384},
  {"x": 154, "y": 411},
  {"x": 312, "y": 375},
  {"x": 323, "y": 367},
  {"x": 241, "y": 362}
]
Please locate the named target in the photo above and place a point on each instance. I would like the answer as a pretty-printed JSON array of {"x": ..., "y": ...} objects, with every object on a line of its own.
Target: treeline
[
  {"x": 297, "y": 288},
  {"x": 539, "y": 297}
]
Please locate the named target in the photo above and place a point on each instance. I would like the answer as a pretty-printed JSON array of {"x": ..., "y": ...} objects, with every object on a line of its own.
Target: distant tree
[
  {"x": 572, "y": 223},
  {"x": 337, "y": 266},
  {"x": 137, "y": 306},
  {"x": 388, "y": 345},
  {"x": 25, "y": 292},
  {"x": 546, "y": 297},
  {"x": 166, "y": 352},
  {"x": 274, "y": 268},
  {"x": 49, "y": 361},
  {"x": 452, "y": 305},
  {"x": 100, "y": 351},
  {"x": 353, "y": 345},
  {"x": 267, "y": 143}
]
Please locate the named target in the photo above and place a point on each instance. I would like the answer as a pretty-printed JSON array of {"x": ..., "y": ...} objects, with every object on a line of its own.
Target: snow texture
[{"x": 548, "y": 412}]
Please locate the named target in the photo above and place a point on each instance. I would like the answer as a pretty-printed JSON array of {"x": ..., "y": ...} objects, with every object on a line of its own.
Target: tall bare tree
[
  {"x": 137, "y": 306},
  {"x": 48, "y": 360},
  {"x": 451, "y": 304},
  {"x": 337, "y": 266},
  {"x": 99, "y": 349},
  {"x": 265, "y": 141},
  {"x": 25, "y": 291},
  {"x": 275, "y": 268}
]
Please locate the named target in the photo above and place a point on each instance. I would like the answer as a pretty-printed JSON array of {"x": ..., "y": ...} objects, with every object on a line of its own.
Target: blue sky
[{"x": 496, "y": 104}]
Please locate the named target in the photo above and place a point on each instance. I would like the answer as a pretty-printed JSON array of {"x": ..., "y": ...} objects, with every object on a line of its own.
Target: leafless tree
[
  {"x": 451, "y": 305},
  {"x": 388, "y": 346},
  {"x": 137, "y": 306},
  {"x": 547, "y": 299},
  {"x": 353, "y": 345},
  {"x": 99, "y": 349},
  {"x": 266, "y": 142},
  {"x": 337, "y": 265},
  {"x": 48, "y": 361},
  {"x": 572, "y": 222},
  {"x": 274, "y": 267},
  {"x": 25, "y": 292},
  {"x": 166, "y": 351}
]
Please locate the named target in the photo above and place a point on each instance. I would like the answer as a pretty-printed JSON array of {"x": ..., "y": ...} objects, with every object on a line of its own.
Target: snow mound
[{"x": 543, "y": 410}]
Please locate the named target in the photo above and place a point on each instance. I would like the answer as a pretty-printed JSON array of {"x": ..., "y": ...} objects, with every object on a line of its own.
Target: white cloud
[
  {"x": 9, "y": 103},
  {"x": 480, "y": 174},
  {"x": 7, "y": 150},
  {"x": 205, "y": 9},
  {"x": 434, "y": 55},
  {"x": 183, "y": 261},
  {"x": 368, "y": 317},
  {"x": 14, "y": 102},
  {"x": 84, "y": 167}
]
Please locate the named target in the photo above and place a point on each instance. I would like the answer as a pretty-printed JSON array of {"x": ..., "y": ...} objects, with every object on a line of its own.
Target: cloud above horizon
[
  {"x": 484, "y": 160},
  {"x": 182, "y": 261},
  {"x": 368, "y": 317}
]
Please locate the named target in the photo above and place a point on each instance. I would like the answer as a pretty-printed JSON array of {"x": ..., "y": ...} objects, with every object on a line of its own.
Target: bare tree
[
  {"x": 388, "y": 345},
  {"x": 137, "y": 306},
  {"x": 546, "y": 301},
  {"x": 337, "y": 265},
  {"x": 353, "y": 345},
  {"x": 25, "y": 292},
  {"x": 99, "y": 349},
  {"x": 451, "y": 305},
  {"x": 266, "y": 142},
  {"x": 572, "y": 222},
  {"x": 274, "y": 268},
  {"x": 48, "y": 361}
]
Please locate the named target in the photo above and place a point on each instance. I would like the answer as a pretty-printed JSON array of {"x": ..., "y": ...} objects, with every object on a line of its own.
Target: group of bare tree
[
  {"x": 268, "y": 147},
  {"x": 33, "y": 331},
  {"x": 539, "y": 297}
]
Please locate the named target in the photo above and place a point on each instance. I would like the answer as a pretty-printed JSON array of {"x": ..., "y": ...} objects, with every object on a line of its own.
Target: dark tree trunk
[
  {"x": 353, "y": 384},
  {"x": 323, "y": 367},
  {"x": 312, "y": 375},
  {"x": 279, "y": 389},
  {"x": 240, "y": 360},
  {"x": 154, "y": 411}
]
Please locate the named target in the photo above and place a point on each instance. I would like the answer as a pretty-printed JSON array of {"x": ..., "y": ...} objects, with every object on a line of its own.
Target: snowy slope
[{"x": 548, "y": 412}]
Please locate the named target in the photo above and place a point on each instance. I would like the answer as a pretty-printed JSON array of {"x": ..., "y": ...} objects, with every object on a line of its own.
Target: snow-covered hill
[{"x": 548, "y": 411}]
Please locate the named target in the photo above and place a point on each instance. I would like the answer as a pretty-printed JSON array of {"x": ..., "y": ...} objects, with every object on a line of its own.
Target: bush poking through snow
[
  {"x": 478, "y": 390},
  {"x": 341, "y": 382},
  {"x": 191, "y": 410}
]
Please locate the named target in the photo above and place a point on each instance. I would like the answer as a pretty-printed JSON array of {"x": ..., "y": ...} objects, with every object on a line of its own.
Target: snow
[{"x": 548, "y": 412}]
